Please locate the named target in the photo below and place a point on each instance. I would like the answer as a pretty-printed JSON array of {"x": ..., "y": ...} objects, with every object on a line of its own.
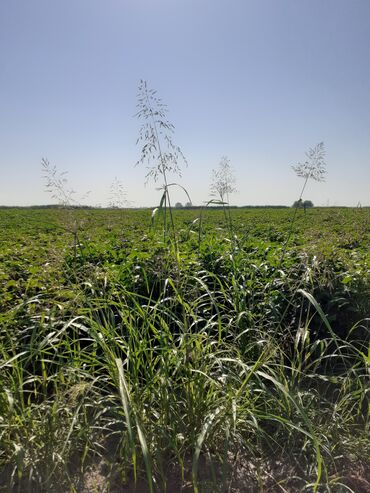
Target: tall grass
[
  {"x": 186, "y": 384},
  {"x": 314, "y": 168},
  {"x": 158, "y": 149},
  {"x": 210, "y": 370}
]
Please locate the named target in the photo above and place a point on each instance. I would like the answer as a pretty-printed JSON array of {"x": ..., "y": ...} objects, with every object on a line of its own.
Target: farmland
[{"x": 229, "y": 350}]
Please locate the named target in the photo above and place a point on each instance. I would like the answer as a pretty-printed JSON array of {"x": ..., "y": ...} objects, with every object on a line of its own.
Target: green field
[{"x": 228, "y": 353}]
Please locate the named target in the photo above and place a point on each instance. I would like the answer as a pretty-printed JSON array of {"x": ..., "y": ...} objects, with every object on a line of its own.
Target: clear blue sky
[{"x": 259, "y": 81}]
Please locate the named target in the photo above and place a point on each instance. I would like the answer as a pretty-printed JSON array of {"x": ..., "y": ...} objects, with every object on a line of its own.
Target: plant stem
[{"x": 163, "y": 173}]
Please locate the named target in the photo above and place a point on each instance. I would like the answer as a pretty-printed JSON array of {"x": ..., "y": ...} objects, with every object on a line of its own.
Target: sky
[{"x": 258, "y": 81}]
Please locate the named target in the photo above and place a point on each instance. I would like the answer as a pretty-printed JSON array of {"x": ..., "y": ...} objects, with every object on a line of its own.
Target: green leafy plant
[{"x": 237, "y": 375}]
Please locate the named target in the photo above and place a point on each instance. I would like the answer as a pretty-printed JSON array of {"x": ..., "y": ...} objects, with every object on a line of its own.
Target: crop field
[{"x": 222, "y": 350}]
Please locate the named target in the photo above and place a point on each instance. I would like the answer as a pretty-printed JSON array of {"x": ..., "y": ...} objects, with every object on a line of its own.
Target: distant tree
[
  {"x": 300, "y": 204},
  {"x": 307, "y": 204},
  {"x": 188, "y": 204},
  {"x": 179, "y": 205}
]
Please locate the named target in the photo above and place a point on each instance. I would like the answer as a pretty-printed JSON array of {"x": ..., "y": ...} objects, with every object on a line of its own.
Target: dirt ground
[{"x": 242, "y": 478}]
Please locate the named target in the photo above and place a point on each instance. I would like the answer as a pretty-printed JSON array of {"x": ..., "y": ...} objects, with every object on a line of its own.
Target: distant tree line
[
  {"x": 47, "y": 206},
  {"x": 188, "y": 205},
  {"x": 178, "y": 205}
]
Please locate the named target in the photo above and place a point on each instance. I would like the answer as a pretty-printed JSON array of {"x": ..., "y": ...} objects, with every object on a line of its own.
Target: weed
[
  {"x": 314, "y": 168},
  {"x": 117, "y": 195},
  {"x": 158, "y": 148},
  {"x": 57, "y": 185}
]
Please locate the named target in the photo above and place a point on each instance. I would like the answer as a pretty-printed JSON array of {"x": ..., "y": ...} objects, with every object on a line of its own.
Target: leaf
[
  {"x": 201, "y": 437},
  {"x": 9, "y": 361}
]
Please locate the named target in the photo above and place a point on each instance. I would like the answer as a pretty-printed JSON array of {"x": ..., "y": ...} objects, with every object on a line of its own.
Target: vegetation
[
  {"x": 223, "y": 181},
  {"x": 118, "y": 195},
  {"x": 303, "y": 204},
  {"x": 222, "y": 350},
  {"x": 314, "y": 167},
  {"x": 219, "y": 366},
  {"x": 158, "y": 149}
]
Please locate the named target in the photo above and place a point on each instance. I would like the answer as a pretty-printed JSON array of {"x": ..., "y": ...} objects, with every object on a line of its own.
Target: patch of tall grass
[{"x": 189, "y": 382}]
